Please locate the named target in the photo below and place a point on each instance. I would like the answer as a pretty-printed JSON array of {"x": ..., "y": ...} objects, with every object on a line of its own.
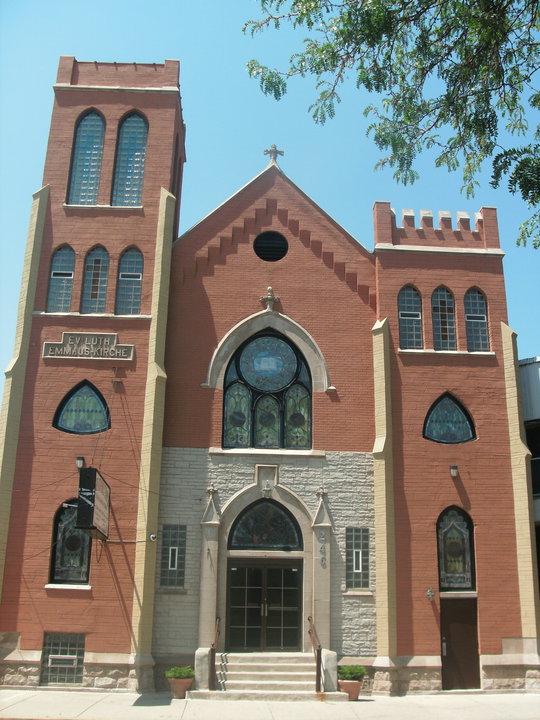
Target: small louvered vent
[{"x": 270, "y": 246}]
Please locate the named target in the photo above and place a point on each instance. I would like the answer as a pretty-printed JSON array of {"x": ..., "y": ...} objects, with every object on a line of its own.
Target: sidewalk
[{"x": 45, "y": 704}]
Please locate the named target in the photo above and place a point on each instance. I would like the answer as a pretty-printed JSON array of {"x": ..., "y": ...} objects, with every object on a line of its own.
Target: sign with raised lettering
[
  {"x": 88, "y": 346},
  {"x": 93, "y": 504}
]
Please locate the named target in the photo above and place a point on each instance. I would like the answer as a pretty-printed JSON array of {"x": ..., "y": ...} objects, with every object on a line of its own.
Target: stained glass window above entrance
[
  {"x": 267, "y": 396},
  {"x": 265, "y": 525}
]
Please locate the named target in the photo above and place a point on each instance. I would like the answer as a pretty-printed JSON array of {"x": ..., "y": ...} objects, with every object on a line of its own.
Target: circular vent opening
[{"x": 270, "y": 246}]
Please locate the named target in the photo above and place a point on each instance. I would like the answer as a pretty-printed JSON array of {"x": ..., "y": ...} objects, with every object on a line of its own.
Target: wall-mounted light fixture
[
  {"x": 430, "y": 593},
  {"x": 79, "y": 461},
  {"x": 454, "y": 471}
]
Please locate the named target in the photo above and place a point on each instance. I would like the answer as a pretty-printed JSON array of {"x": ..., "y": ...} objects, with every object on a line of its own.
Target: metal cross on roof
[{"x": 273, "y": 152}]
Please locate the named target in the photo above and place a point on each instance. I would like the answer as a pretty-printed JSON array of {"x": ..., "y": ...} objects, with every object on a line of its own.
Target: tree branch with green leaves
[{"x": 449, "y": 75}]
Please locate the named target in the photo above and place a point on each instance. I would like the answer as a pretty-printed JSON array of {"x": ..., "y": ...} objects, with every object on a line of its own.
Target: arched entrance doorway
[
  {"x": 264, "y": 594},
  {"x": 262, "y": 556}
]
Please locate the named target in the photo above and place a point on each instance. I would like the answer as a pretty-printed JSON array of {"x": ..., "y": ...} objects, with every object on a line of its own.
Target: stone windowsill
[
  {"x": 262, "y": 451},
  {"x": 171, "y": 591},
  {"x": 357, "y": 593},
  {"x": 66, "y": 586}
]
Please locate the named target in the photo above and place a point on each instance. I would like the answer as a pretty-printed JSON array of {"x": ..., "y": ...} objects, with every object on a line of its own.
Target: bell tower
[{"x": 85, "y": 388}]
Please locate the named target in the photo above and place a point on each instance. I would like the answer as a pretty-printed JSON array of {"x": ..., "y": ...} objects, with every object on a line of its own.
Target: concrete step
[
  {"x": 284, "y": 685},
  {"x": 264, "y": 668},
  {"x": 266, "y": 658},
  {"x": 269, "y": 674},
  {"x": 262, "y": 695}
]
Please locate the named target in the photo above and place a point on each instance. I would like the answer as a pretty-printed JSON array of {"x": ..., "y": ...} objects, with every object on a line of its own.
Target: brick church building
[{"x": 260, "y": 421}]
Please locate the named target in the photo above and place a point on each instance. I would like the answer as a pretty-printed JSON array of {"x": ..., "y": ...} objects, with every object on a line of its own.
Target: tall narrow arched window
[
  {"x": 267, "y": 395},
  {"x": 128, "y": 288},
  {"x": 410, "y": 318},
  {"x": 96, "y": 273},
  {"x": 476, "y": 321},
  {"x": 455, "y": 543},
  {"x": 86, "y": 160},
  {"x": 83, "y": 411},
  {"x": 444, "y": 319},
  {"x": 448, "y": 421},
  {"x": 61, "y": 280},
  {"x": 130, "y": 157},
  {"x": 70, "y": 554}
]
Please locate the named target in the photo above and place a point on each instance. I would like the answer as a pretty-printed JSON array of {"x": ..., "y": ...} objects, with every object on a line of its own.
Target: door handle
[
  {"x": 444, "y": 647},
  {"x": 264, "y": 609}
]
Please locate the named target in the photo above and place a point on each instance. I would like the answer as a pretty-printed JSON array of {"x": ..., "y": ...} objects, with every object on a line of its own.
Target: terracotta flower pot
[
  {"x": 351, "y": 687},
  {"x": 179, "y": 686}
]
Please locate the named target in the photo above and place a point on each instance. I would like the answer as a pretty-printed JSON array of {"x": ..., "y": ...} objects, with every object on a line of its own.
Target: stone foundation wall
[
  {"x": 100, "y": 677},
  {"x": 510, "y": 677},
  {"x": 18, "y": 673}
]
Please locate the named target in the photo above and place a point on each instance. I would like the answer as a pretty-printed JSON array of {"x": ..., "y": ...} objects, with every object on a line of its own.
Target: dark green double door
[{"x": 264, "y": 602}]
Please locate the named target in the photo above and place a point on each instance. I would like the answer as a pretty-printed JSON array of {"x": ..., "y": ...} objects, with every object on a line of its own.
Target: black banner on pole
[{"x": 94, "y": 502}]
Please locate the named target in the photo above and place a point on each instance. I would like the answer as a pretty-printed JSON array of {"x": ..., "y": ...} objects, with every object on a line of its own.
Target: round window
[
  {"x": 270, "y": 246},
  {"x": 268, "y": 363}
]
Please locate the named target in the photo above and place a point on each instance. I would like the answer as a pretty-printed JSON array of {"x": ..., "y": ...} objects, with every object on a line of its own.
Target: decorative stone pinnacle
[
  {"x": 269, "y": 299},
  {"x": 273, "y": 152},
  {"x": 321, "y": 492},
  {"x": 211, "y": 490}
]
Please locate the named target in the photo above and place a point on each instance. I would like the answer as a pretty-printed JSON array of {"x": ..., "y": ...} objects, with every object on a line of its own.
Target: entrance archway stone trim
[{"x": 264, "y": 320}]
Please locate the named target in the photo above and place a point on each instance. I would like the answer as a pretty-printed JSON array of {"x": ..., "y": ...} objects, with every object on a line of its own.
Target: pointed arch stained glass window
[
  {"x": 83, "y": 411},
  {"x": 265, "y": 524},
  {"x": 267, "y": 395},
  {"x": 455, "y": 545},
  {"x": 448, "y": 422},
  {"x": 70, "y": 558}
]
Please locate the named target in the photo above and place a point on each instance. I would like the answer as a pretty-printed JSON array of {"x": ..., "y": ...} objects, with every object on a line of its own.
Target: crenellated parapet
[{"x": 483, "y": 235}]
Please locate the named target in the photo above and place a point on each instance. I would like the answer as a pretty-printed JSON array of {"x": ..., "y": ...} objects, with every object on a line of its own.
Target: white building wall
[{"x": 348, "y": 481}]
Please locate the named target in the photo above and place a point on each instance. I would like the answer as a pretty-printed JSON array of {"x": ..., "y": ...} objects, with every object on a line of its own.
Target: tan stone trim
[
  {"x": 151, "y": 444},
  {"x": 262, "y": 321},
  {"x": 16, "y": 370},
  {"x": 383, "y": 479},
  {"x": 116, "y": 88},
  {"x": 444, "y": 352},
  {"x": 530, "y": 660},
  {"x": 452, "y": 251},
  {"x": 59, "y": 586},
  {"x": 433, "y": 661},
  {"x": 521, "y": 483},
  {"x": 18, "y": 655},
  {"x": 262, "y": 451}
]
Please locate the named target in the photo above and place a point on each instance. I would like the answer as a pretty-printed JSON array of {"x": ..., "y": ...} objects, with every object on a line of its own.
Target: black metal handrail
[
  {"x": 317, "y": 651},
  {"x": 212, "y": 668}
]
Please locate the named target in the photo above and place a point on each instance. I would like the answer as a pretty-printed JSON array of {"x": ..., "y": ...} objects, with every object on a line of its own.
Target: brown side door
[{"x": 459, "y": 644}]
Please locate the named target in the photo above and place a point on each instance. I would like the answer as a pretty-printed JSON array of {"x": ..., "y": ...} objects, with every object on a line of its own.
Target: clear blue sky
[{"x": 229, "y": 124}]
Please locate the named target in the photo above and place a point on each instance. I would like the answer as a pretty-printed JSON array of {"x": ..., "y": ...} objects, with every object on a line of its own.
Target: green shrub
[
  {"x": 184, "y": 671},
  {"x": 351, "y": 672}
]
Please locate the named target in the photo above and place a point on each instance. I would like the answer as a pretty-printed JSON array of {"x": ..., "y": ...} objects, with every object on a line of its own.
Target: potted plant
[
  {"x": 180, "y": 679},
  {"x": 350, "y": 679}
]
